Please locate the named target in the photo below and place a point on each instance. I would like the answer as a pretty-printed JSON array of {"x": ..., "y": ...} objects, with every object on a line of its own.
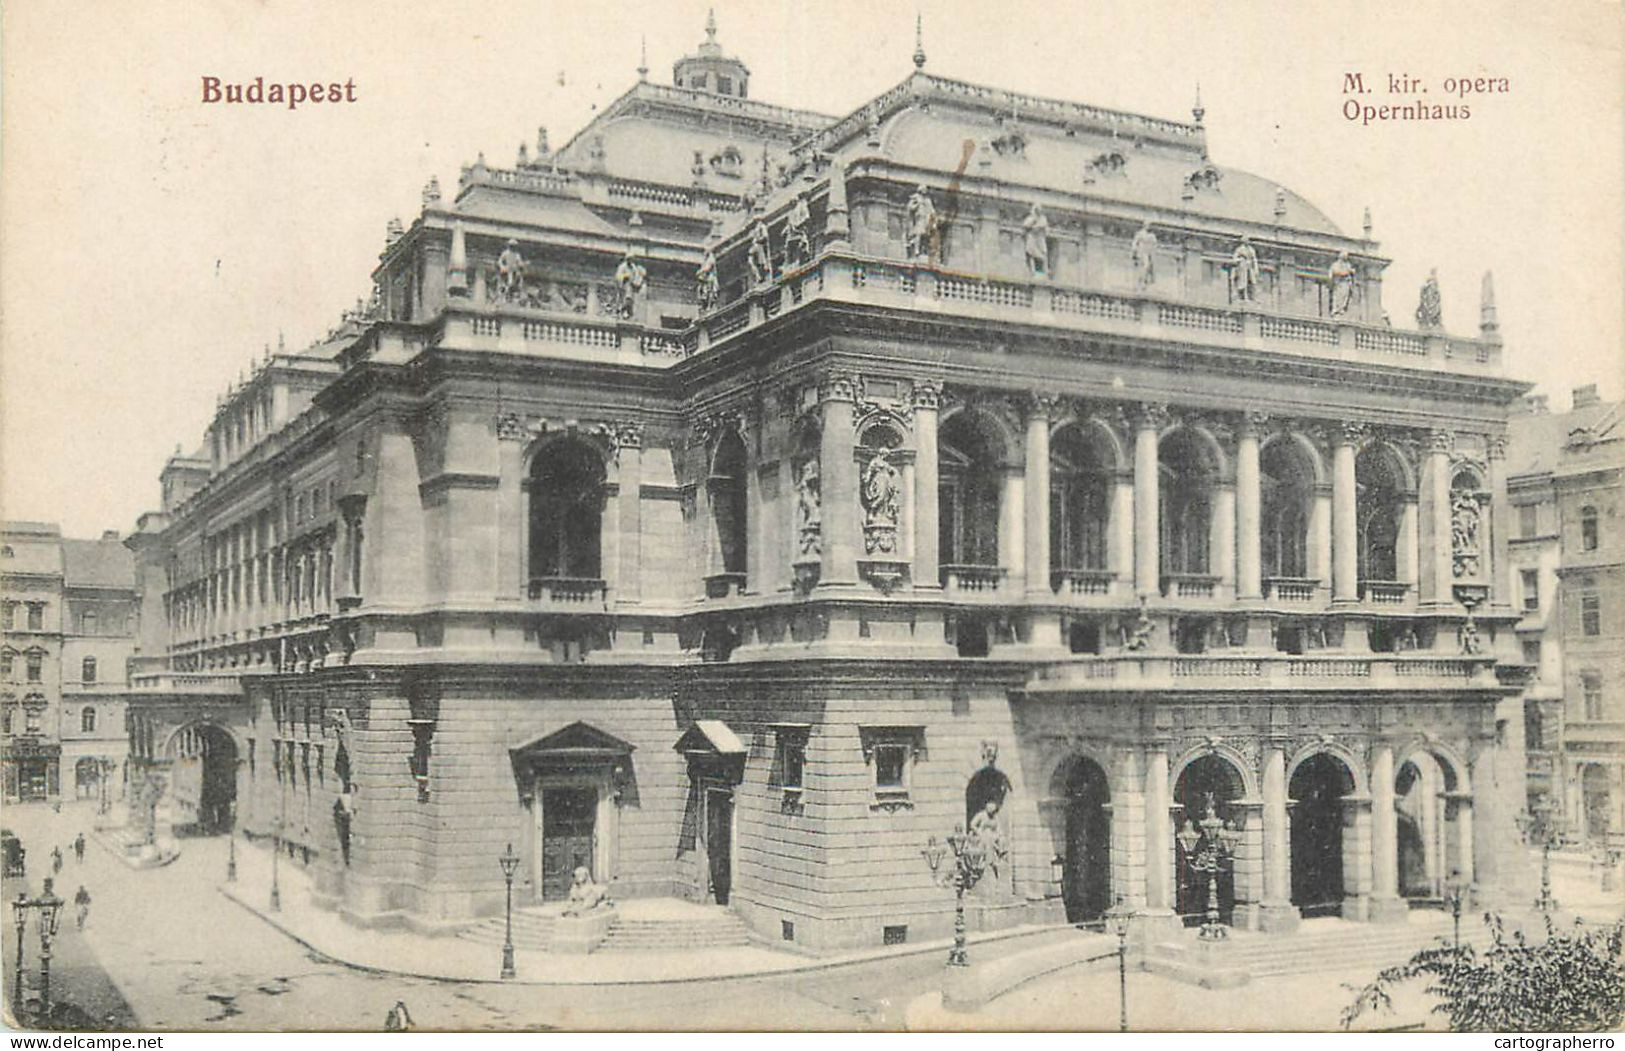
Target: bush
[{"x": 1572, "y": 981}]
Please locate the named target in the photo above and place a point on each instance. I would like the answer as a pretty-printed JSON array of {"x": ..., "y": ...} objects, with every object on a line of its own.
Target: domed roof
[{"x": 709, "y": 69}]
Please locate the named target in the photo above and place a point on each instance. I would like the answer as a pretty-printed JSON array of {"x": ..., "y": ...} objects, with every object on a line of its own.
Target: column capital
[
  {"x": 621, "y": 434},
  {"x": 926, "y": 394},
  {"x": 511, "y": 427},
  {"x": 1040, "y": 405},
  {"x": 838, "y": 387},
  {"x": 1440, "y": 441},
  {"x": 1252, "y": 424},
  {"x": 1351, "y": 433},
  {"x": 1495, "y": 446},
  {"x": 1149, "y": 415}
]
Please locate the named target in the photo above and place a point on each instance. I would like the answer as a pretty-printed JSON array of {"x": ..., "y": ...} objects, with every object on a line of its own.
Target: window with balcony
[
  {"x": 972, "y": 462},
  {"x": 1531, "y": 590},
  {"x": 1588, "y": 529},
  {"x": 1189, "y": 466},
  {"x": 1082, "y": 464},
  {"x": 1591, "y": 695},
  {"x": 566, "y": 512},
  {"x": 892, "y": 752},
  {"x": 87, "y": 669},
  {"x": 1590, "y": 615},
  {"x": 87, "y": 719},
  {"x": 1286, "y": 493},
  {"x": 1379, "y": 481}
]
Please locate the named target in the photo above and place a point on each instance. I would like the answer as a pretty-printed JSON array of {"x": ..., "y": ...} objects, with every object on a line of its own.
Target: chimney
[{"x": 1585, "y": 397}]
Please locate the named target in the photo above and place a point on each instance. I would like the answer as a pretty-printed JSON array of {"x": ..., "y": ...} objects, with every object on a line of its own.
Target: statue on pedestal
[
  {"x": 987, "y": 837},
  {"x": 797, "y": 245},
  {"x": 630, "y": 277},
  {"x": 1341, "y": 277},
  {"x": 707, "y": 289},
  {"x": 1429, "y": 306},
  {"x": 922, "y": 224},
  {"x": 1035, "y": 238},
  {"x": 585, "y": 895},
  {"x": 510, "y": 273},
  {"x": 761, "y": 254},
  {"x": 1143, "y": 254},
  {"x": 1244, "y": 272},
  {"x": 880, "y": 506}
]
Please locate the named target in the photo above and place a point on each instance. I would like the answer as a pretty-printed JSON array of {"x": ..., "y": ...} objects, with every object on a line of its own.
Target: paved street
[{"x": 185, "y": 957}]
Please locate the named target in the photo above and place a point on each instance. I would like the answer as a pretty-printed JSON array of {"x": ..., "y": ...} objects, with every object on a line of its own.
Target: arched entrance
[
  {"x": 1208, "y": 776},
  {"x": 1428, "y": 820},
  {"x": 1086, "y": 854},
  {"x": 204, "y": 779},
  {"x": 1317, "y": 789}
]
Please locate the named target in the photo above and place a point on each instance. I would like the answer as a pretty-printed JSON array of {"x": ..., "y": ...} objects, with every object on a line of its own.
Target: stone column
[
  {"x": 1248, "y": 815},
  {"x": 1012, "y": 521},
  {"x": 927, "y": 396},
  {"x": 1158, "y": 918},
  {"x": 838, "y": 500},
  {"x": 1345, "y": 546},
  {"x": 1386, "y": 904},
  {"x": 1478, "y": 826},
  {"x": 1318, "y": 558},
  {"x": 628, "y": 512},
  {"x": 1041, "y": 408},
  {"x": 1147, "y": 421},
  {"x": 1120, "y": 531},
  {"x": 1223, "y": 536},
  {"x": 1128, "y": 831},
  {"x": 1435, "y": 538},
  {"x": 1495, "y": 552},
  {"x": 1248, "y": 575},
  {"x": 1357, "y": 857},
  {"x": 512, "y": 523},
  {"x": 1276, "y": 913},
  {"x": 1406, "y": 551}
]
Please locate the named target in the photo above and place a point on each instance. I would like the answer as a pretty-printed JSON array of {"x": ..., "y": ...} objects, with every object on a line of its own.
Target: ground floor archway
[
  {"x": 1318, "y": 815},
  {"x": 204, "y": 779},
  {"x": 1206, "y": 779},
  {"x": 1086, "y": 857}
]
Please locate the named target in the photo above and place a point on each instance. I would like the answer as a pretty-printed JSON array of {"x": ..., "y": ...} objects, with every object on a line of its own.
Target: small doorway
[
  {"x": 569, "y": 824},
  {"x": 1086, "y": 857},
  {"x": 1317, "y": 788},
  {"x": 719, "y": 837}
]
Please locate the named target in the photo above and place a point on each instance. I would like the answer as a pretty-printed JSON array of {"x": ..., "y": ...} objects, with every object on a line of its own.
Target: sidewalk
[{"x": 413, "y": 955}]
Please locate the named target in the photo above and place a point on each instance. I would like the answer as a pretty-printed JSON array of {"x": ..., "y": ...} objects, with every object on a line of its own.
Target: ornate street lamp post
[
  {"x": 19, "y": 915},
  {"x": 231, "y": 846},
  {"x": 1456, "y": 890},
  {"x": 1207, "y": 853},
  {"x": 276, "y": 850},
  {"x": 50, "y": 907},
  {"x": 1117, "y": 921},
  {"x": 1539, "y": 827},
  {"x": 510, "y": 864},
  {"x": 970, "y": 862}
]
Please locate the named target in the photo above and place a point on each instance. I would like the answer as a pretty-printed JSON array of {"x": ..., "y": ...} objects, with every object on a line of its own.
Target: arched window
[
  {"x": 1286, "y": 481},
  {"x": 87, "y": 669},
  {"x": 566, "y": 510},
  {"x": 968, "y": 497},
  {"x": 1080, "y": 500},
  {"x": 1588, "y": 529},
  {"x": 1379, "y": 502},
  {"x": 87, "y": 719},
  {"x": 726, "y": 487},
  {"x": 1188, "y": 477}
]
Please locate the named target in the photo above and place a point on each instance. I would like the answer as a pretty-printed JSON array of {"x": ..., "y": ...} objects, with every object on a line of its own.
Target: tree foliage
[{"x": 1571, "y": 981}]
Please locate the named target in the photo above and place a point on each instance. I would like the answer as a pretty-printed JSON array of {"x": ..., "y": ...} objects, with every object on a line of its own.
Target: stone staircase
[
  {"x": 634, "y": 929},
  {"x": 1330, "y": 945}
]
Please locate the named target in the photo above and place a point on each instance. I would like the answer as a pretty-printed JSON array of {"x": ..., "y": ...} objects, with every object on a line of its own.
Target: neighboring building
[
  {"x": 739, "y": 497},
  {"x": 1565, "y": 481},
  {"x": 68, "y": 612}
]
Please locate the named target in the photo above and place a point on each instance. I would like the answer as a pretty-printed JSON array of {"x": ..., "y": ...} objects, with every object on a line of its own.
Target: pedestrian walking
[
  {"x": 79, "y": 848},
  {"x": 56, "y": 860},
  {"x": 399, "y": 1020},
  {"x": 81, "y": 905}
]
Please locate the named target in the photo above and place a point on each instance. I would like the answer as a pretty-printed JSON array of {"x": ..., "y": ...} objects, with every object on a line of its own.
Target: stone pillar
[
  {"x": 512, "y": 523},
  {"x": 1276, "y": 912},
  {"x": 927, "y": 396},
  {"x": 838, "y": 498},
  {"x": 1223, "y": 537},
  {"x": 1386, "y": 904},
  {"x": 1128, "y": 832},
  {"x": 1318, "y": 559},
  {"x": 1012, "y": 521},
  {"x": 837, "y": 230},
  {"x": 1435, "y": 532},
  {"x": 1357, "y": 857},
  {"x": 1040, "y": 409},
  {"x": 1345, "y": 546},
  {"x": 1120, "y": 530},
  {"x": 1158, "y": 919},
  {"x": 1406, "y": 552},
  {"x": 1479, "y": 840},
  {"x": 628, "y": 512},
  {"x": 1249, "y": 583},
  {"x": 1498, "y": 570},
  {"x": 1248, "y": 816},
  {"x": 1146, "y": 558}
]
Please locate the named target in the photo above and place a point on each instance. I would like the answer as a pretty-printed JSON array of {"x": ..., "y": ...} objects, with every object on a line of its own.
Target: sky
[{"x": 152, "y": 246}]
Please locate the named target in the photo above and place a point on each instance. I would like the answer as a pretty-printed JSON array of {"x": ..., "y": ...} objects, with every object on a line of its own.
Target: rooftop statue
[
  {"x": 1143, "y": 253},
  {"x": 1429, "y": 307},
  {"x": 797, "y": 245},
  {"x": 631, "y": 277},
  {"x": 510, "y": 273},
  {"x": 922, "y": 224},
  {"x": 1244, "y": 273},
  {"x": 1341, "y": 277},
  {"x": 707, "y": 289},
  {"x": 761, "y": 254},
  {"x": 1035, "y": 236}
]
